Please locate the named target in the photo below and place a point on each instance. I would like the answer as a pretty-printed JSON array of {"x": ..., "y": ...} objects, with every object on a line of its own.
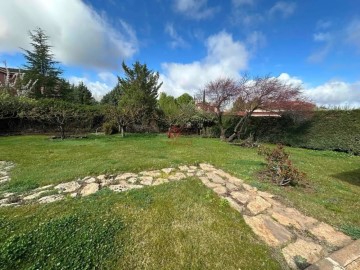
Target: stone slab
[
  {"x": 68, "y": 187},
  {"x": 89, "y": 189},
  {"x": 268, "y": 230},
  {"x": 258, "y": 205},
  {"x": 310, "y": 251},
  {"x": 325, "y": 232},
  {"x": 235, "y": 204},
  {"x": 292, "y": 217},
  {"x": 240, "y": 196},
  {"x": 348, "y": 254}
]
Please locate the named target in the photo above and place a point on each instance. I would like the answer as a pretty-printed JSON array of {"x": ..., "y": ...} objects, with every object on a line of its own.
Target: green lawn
[{"x": 180, "y": 225}]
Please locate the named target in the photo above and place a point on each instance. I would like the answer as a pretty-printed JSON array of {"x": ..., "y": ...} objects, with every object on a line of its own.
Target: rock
[
  {"x": 231, "y": 187},
  {"x": 119, "y": 188},
  {"x": 222, "y": 174},
  {"x": 146, "y": 180},
  {"x": 35, "y": 195},
  {"x": 160, "y": 181},
  {"x": 132, "y": 180},
  {"x": 101, "y": 177},
  {"x": 4, "y": 179},
  {"x": 193, "y": 167},
  {"x": 190, "y": 174},
  {"x": 258, "y": 205},
  {"x": 325, "y": 232},
  {"x": 4, "y": 201},
  {"x": 92, "y": 180},
  {"x": 242, "y": 197},
  {"x": 220, "y": 190},
  {"x": 348, "y": 254},
  {"x": 236, "y": 181},
  {"x": 207, "y": 182},
  {"x": 177, "y": 176},
  {"x": 235, "y": 205},
  {"x": 292, "y": 217},
  {"x": 51, "y": 198},
  {"x": 43, "y": 187},
  {"x": 7, "y": 194},
  {"x": 125, "y": 176},
  {"x": 310, "y": 251},
  {"x": 265, "y": 194},
  {"x": 215, "y": 178},
  {"x": 206, "y": 167},
  {"x": 200, "y": 173},
  {"x": 249, "y": 188},
  {"x": 68, "y": 187},
  {"x": 167, "y": 170},
  {"x": 73, "y": 195},
  {"x": 355, "y": 265},
  {"x": 268, "y": 230},
  {"x": 152, "y": 173},
  {"x": 89, "y": 189},
  {"x": 184, "y": 168},
  {"x": 106, "y": 182}
]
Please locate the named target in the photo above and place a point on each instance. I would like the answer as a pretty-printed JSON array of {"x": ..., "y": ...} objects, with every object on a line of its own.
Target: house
[{"x": 12, "y": 74}]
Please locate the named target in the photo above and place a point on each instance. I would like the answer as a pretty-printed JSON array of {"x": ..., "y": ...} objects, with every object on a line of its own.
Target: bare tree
[
  {"x": 218, "y": 95},
  {"x": 267, "y": 93}
]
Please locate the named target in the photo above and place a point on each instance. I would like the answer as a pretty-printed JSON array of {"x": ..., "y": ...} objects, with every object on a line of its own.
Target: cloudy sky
[{"x": 191, "y": 42}]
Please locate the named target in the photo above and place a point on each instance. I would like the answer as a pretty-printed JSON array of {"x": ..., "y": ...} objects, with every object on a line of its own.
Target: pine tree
[
  {"x": 41, "y": 66},
  {"x": 139, "y": 90}
]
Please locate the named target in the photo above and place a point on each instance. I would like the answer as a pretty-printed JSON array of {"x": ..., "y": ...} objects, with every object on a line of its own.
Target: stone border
[{"x": 302, "y": 240}]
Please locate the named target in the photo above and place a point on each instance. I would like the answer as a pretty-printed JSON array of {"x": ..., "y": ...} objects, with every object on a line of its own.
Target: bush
[
  {"x": 280, "y": 169},
  {"x": 109, "y": 128}
]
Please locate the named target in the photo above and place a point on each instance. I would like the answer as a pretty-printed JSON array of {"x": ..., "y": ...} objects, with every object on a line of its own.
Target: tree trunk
[
  {"x": 122, "y": 132},
  {"x": 240, "y": 125},
  {"x": 222, "y": 133},
  {"x": 62, "y": 132}
]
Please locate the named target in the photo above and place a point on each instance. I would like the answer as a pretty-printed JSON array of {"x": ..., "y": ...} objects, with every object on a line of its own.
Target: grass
[
  {"x": 172, "y": 226},
  {"x": 334, "y": 176},
  {"x": 179, "y": 225}
]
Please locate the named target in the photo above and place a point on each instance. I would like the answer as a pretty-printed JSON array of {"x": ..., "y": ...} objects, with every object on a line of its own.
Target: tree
[
  {"x": 113, "y": 97},
  {"x": 41, "y": 66},
  {"x": 82, "y": 95},
  {"x": 184, "y": 99},
  {"x": 267, "y": 93},
  {"x": 217, "y": 95},
  {"x": 139, "y": 91},
  {"x": 170, "y": 108}
]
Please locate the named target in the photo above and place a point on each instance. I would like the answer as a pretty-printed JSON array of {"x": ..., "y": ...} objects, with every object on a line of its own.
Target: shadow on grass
[{"x": 352, "y": 177}]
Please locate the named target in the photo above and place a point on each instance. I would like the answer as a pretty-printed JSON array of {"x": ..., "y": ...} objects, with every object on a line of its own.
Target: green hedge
[{"x": 325, "y": 130}]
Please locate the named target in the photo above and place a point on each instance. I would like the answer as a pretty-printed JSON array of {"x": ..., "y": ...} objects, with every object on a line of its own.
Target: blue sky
[{"x": 316, "y": 43}]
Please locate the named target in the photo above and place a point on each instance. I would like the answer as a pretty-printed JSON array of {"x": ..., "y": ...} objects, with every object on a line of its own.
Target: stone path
[{"x": 303, "y": 240}]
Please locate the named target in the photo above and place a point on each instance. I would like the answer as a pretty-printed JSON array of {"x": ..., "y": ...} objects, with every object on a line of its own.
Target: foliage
[
  {"x": 351, "y": 230},
  {"x": 109, "y": 128},
  {"x": 184, "y": 99},
  {"x": 139, "y": 90},
  {"x": 41, "y": 66},
  {"x": 113, "y": 97},
  {"x": 218, "y": 94},
  {"x": 266, "y": 93},
  {"x": 82, "y": 95},
  {"x": 326, "y": 130},
  {"x": 279, "y": 168}
]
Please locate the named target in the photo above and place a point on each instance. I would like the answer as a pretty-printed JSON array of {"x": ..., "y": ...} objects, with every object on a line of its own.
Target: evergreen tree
[
  {"x": 139, "y": 90},
  {"x": 82, "y": 95},
  {"x": 41, "y": 66},
  {"x": 113, "y": 97}
]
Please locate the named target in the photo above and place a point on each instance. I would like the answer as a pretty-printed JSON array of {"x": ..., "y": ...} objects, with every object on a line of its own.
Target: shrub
[
  {"x": 280, "y": 168},
  {"x": 109, "y": 128}
]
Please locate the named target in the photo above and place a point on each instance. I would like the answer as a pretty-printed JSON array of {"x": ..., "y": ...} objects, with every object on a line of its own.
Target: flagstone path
[{"x": 303, "y": 240}]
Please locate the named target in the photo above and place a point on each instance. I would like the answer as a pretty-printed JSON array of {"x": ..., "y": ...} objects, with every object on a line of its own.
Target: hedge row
[{"x": 325, "y": 130}]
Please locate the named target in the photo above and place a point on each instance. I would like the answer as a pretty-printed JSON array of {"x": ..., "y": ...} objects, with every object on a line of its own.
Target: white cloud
[
  {"x": 323, "y": 24},
  {"x": 283, "y": 8},
  {"x": 225, "y": 58},
  {"x": 336, "y": 93},
  {"x": 105, "y": 83},
  {"x": 79, "y": 35},
  {"x": 332, "y": 93},
  {"x": 177, "y": 40},
  {"x": 195, "y": 9},
  {"x": 320, "y": 37},
  {"x": 256, "y": 40}
]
